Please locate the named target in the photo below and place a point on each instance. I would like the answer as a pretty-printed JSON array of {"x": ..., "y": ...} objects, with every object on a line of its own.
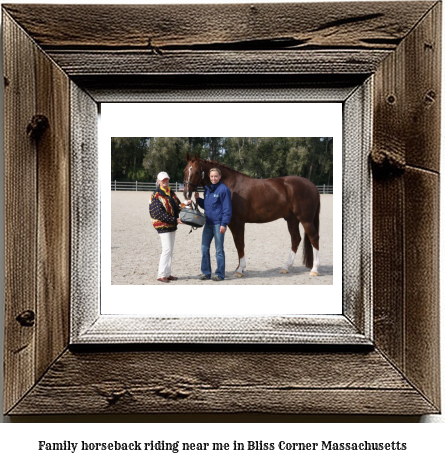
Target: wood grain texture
[
  {"x": 406, "y": 205},
  {"x": 422, "y": 280},
  {"x": 219, "y": 381},
  {"x": 53, "y": 200},
  {"x": 38, "y": 247},
  {"x": 398, "y": 42},
  {"x": 423, "y": 92},
  {"x": 20, "y": 213},
  {"x": 225, "y": 39},
  {"x": 159, "y": 27},
  {"x": 407, "y": 114},
  {"x": 79, "y": 63},
  {"x": 388, "y": 268},
  {"x": 388, "y": 199}
]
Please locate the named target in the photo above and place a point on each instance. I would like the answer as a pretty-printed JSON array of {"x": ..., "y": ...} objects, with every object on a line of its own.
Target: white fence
[
  {"x": 144, "y": 186},
  {"x": 325, "y": 189},
  {"x": 179, "y": 187}
]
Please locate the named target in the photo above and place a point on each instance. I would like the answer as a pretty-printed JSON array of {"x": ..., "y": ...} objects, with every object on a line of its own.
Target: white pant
[{"x": 165, "y": 263}]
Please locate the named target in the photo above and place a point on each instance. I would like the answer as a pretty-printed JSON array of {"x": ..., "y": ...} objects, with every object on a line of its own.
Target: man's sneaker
[
  {"x": 203, "y": 277},
  {"x": 217, "y": 278}
]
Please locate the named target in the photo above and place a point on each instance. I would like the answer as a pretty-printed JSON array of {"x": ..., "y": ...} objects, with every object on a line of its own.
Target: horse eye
[{"x": 197, "y": 172}]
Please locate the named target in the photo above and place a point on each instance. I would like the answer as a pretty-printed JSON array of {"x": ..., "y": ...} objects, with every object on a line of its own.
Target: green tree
[
  {"x": 142, "y": 158},
  {"x": 167, "y": 154},
  {"x": 127, "y": 154}
]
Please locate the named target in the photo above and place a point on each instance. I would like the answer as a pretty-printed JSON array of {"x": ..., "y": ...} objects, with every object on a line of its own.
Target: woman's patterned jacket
[{"x": 164, "y": 211}]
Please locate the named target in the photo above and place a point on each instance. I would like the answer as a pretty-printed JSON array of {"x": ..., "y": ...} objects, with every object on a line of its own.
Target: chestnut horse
[{"x": 293, "y": 198}]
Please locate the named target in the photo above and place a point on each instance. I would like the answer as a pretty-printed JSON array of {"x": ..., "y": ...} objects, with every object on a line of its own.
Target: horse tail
[{"x": 308, "y": 253}]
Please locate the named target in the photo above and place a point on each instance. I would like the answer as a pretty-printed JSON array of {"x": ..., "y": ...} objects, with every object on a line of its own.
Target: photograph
[
  {"x": 259, "y": 210},
  {"x": 156, "y": 152},
  {"x": 268, "y": 204}
]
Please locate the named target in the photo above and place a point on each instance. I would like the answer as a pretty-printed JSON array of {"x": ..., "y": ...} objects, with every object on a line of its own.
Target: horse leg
[
  {"x": 293, "y": 225},
  {"x": 312, "y": 240},
  {"x": 314, "y": 271},
  {"x": 238, "y": 237}
]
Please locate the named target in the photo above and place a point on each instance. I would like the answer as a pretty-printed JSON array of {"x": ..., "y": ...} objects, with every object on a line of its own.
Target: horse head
[{"x": 193, "y": 175}]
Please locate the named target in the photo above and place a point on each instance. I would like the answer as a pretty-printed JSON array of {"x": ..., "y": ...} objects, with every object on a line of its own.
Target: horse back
[{"x": 265, "y": 200}]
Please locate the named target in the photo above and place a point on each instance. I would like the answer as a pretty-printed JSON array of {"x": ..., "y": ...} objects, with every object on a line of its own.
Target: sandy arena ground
[{"x": 136, "y": 248}]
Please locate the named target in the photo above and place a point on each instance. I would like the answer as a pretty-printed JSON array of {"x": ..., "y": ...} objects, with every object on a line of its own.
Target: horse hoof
[
  {"x": 313, "y": 273},
  {"x": 238, "y": 275},
  {"x": 284, "y": 271}
]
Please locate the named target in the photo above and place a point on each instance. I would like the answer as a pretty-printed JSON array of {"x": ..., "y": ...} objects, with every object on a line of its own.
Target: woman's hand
[
  {"x": 179, "y": 221},
  {"x": 196, "y": 195}
]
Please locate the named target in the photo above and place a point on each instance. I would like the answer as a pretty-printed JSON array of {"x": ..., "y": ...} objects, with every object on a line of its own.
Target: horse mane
[{"x": 222, "y": 165}]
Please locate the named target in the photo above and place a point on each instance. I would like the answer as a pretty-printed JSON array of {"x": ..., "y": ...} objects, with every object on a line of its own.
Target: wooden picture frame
[{"x": 76, "y": 56}]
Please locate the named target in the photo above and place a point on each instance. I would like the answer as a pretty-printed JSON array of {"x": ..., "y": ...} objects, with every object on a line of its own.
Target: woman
[
  {"x": 217, "y": 204},
  {"x": 164, "y": 212}
]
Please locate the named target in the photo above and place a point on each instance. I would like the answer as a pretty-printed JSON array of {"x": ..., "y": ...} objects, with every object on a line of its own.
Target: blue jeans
[{"x": 210, "y": 232}]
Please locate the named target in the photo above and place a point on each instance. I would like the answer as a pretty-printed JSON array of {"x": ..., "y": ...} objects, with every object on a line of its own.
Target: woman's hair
[{"x": 215, "y": 169}]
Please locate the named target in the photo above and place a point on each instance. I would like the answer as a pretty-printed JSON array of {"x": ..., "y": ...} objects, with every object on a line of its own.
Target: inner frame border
[{"x": 353, "y": 327}]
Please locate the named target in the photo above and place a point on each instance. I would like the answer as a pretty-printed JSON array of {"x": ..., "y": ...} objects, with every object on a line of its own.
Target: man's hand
[{"x": 222, "y": 229}]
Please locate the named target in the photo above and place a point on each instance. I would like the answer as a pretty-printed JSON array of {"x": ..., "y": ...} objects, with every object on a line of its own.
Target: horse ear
[
  {"x": 196, "y": 157},
  {"x": 187, "y": 157}
]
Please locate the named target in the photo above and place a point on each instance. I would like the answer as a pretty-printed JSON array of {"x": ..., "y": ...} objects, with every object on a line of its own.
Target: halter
[
  {"x": 191, "y": 184},
  {"x": 195, "y": 185}
]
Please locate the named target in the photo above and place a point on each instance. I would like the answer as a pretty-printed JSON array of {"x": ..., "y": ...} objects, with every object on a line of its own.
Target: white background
[
  {"x": 19, "y": 441},
  {"x": 221, "y": 120}
]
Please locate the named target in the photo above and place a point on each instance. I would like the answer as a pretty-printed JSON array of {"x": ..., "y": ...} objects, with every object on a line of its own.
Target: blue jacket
[{"x": 217, "y": 204}]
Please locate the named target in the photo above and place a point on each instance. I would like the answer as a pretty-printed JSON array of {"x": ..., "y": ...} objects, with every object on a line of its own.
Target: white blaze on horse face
[
  {"x": 187, "y": 186},
  {"x": 242, "y": 265},
  {"x": 190, "y": 175},
  {"x": 316, "y": 262},
  {"x": 290, "y": 261}
]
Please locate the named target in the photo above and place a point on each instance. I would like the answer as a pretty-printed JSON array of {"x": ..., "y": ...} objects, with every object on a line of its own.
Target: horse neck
[{"x": 228, "y": 177}]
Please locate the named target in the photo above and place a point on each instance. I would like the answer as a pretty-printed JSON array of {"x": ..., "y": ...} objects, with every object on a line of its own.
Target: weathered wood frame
[{"x": 98, "y": 50}]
